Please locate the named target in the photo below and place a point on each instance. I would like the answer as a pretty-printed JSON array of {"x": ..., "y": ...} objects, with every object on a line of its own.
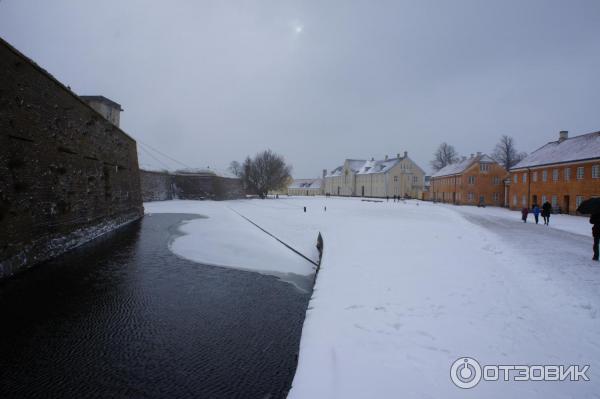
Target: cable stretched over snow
[{"x": 280, "y": 241}]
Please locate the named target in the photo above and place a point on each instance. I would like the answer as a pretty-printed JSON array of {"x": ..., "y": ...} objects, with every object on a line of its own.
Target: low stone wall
[
  {"x": 156, "y": 186},
  {"x": 66, "y": 173},
  {"x": 161, "y": 186}
]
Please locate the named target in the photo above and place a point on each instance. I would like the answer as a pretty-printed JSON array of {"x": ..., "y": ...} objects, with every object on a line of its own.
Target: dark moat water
[{"x": 125, "y": 318}]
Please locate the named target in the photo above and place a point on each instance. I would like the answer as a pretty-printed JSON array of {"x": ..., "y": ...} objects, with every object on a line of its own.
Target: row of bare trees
[{"x": 505, "y": 153}]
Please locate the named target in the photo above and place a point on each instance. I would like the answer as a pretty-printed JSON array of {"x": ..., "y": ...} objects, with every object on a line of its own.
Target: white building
[
  {"x": 399, "y": 176},
  {"x": 306, "y": 187}
]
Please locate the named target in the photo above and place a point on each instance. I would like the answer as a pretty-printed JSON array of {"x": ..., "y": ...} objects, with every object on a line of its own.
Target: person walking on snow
[
  {"x": 595, "y": 220},
  {"x": 536, "y": 213},
  {"x": 524, "y": 213},
  {"x": 546, "y": 209}
]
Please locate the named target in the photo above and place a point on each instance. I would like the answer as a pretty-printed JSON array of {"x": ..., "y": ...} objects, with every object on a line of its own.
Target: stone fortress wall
[{"x": 67, "y": 174}]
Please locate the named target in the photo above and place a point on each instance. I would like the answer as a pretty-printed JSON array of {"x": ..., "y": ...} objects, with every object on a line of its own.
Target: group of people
[
  {"x": 546, "y": 211},
  {"x": 396, "y": 198}
]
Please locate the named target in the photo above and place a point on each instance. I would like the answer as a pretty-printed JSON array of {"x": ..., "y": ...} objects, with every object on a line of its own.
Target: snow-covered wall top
[{"x": 578, "y": 148}]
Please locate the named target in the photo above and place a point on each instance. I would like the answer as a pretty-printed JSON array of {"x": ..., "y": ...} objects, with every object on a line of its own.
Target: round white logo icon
[{"x": 465, "y": 372}]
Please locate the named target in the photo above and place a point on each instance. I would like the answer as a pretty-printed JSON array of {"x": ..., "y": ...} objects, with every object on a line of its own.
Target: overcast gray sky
[{"x": 319, "y": 81}]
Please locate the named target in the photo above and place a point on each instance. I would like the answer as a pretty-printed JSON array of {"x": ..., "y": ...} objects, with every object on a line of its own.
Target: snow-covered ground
[
  {"x": 407, "y": 288},
  {"x": 221, "y": 237},
  {"x": 572, "y": 224}
]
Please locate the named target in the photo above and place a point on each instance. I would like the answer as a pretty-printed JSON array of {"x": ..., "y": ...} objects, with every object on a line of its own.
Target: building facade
[
  {"x": 306, "y": 187},
  {"x": 399, "y": 176},
  {"x": 477, "y": 180},
  {"x": 563, "y": 172}
]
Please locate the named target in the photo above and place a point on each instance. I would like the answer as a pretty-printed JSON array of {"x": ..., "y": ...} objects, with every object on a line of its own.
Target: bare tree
[
  {"x": 266, "y": 171},
  {"x": 444, "y": 156},
  {"x": 236, "y": 169},
  {"x": 506, "y": 154}
]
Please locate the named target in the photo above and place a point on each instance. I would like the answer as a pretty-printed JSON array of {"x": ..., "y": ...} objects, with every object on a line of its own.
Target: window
[
  {"x": 554, "y": 201},
  {"x": 484, "y": 167},
  {"x": 496, "y": 180},
  {"x": 524, "y": 177},
  {"x": 567, "y": 174},
  {"x": 544, "y": 199},
  {"x": 596, "y": 172},
  {"x": 524, "y": 201},
  {"x": 415, "y": 179},
  {"x": 578, "y": 200},
  {"x": 470, "y": 197},
  {"x": 555, "y": 175},
  {"x": 471, "y": 179},
  {"x": 516, "y": 178},
  {"x": 534, "y": 176},
  {"x": 544, "y": 175},
  {"x": 515, "y": 200},
  {"x": 395, "y": 178},
  {"x": 496, "y": 197},
  {"x": 580, "y": 172}
]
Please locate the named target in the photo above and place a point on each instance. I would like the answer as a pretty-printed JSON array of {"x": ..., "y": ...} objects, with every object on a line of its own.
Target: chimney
[
  {"x": 372, "y": 159},
  {"x": 398, "y": 155},
  {"x": 472, "y": 155},
  {"x": 478, "y": 153},
  {"x": 405, "y": 154},
  {"x": 324, "y": 173},
  {"x": 563, "y": 135},
  {"x": 386, "y": 157}
]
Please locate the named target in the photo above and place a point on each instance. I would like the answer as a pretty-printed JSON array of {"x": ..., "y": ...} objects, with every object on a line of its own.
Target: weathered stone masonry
[
  {"x": 160, "y": 186},
  {"x": 66, "y": 174}
]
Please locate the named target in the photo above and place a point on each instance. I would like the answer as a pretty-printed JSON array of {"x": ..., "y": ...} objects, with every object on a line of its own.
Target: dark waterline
[{"x": 125, "y": 318}]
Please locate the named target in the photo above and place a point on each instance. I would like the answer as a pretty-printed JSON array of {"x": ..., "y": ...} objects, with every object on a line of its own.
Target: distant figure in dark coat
[
  {"x": 546, "y": 209},
  {"x": 524, "y": 213},
  {"x": 595, "y": 220},
  {"x": 536, "y": 213}
]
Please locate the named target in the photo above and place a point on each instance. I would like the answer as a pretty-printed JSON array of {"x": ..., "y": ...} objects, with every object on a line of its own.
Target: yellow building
[{"x": 399, "y": 176}]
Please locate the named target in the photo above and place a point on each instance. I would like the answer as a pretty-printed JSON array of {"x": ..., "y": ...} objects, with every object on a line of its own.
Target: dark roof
[{"x": 102, "y": 99}]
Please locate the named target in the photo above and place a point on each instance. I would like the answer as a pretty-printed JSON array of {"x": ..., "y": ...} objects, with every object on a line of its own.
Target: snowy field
[{"x": 407, "y": 288}]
